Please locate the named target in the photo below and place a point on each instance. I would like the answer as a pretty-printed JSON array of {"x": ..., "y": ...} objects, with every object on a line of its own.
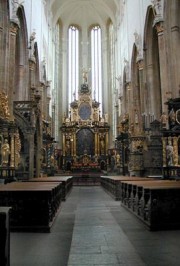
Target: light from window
[
  {"x": 73, "y": 69},
  {"x": 96, "y": 63}
]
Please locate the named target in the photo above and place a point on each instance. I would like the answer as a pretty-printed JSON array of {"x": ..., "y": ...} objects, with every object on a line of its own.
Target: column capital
[
  {"x": 159, "y": 26},
  {"x": 140, "y": 64},
  {"x": 14, "y": 27},
  {"x": 32, "y": 64}
]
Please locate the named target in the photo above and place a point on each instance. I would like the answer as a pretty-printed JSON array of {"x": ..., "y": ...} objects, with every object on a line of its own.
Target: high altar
[{"x": 85, "y": 134}]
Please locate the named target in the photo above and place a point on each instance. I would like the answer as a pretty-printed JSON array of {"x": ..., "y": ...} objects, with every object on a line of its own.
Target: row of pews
[
  {"x": 156, "y": 202},
  {"x": 31, "y": 205},
  {"x": 35, "y": 202}
]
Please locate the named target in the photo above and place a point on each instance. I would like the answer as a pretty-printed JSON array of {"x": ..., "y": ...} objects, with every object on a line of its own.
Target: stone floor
[{"x": 93, "y": 229}]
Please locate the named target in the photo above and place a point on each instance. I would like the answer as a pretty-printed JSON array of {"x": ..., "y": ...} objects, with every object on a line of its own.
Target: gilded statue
[{"x": 5, "y": 152}]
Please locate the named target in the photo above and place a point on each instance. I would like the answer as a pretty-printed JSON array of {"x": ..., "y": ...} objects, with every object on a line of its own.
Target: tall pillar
[
  {"x": 11, "y": 71},
  {"x": 141, "y": 84},
  {"x": 163, "y": 63},
  {"x": 175, "y": 78}
]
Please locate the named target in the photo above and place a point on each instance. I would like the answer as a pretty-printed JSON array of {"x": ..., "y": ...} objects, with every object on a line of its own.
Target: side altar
[{"x": 85, "y": 134}]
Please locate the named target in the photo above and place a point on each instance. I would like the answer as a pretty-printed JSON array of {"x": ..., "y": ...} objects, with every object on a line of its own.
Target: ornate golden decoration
[
  {"x": 4, "y": 107},
  {"x": 17, "y": 149}
]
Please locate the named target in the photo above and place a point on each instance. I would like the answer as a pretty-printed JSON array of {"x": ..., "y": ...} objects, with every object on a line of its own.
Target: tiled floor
[{"x": 93, "y": 229}]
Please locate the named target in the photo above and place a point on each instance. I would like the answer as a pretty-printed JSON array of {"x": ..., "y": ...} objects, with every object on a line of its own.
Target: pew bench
[
  {"x": 67, "y": 183},
  {"x": 156, "y": 203},
  {"x": 34, "y": 206},
  {"x": 112, "y": 184},
  {"x": 4, "y": 236}
]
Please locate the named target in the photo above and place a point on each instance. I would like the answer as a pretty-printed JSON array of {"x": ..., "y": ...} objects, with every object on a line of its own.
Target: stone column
[
  {"x": 11, "y": 71},
  {"x": 163, "y": 63},
  {"x": 175, "y": 78},
  {"x": 141, "y": 85}
]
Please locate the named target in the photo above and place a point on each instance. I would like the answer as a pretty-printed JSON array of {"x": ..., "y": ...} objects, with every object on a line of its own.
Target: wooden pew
[
  {"x": 67, "y": 183},
  {"x": 4, "y": 236},
  {"x": 34, "y": 205},
  {"x": 156, "y": 203},
  {"x": 112, "y": 184}
]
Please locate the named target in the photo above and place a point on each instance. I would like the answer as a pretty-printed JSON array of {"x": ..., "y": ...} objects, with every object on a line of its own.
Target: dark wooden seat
[
  {"x": 67, "y": 183},
  {"x": 112, "y": 184},
  {"x": 34, "y": 205},
  {"x": 156, "y": 203}
]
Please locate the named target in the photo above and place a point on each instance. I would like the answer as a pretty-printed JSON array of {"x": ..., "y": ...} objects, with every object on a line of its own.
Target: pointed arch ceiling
[{"x": 84, "y": 12}]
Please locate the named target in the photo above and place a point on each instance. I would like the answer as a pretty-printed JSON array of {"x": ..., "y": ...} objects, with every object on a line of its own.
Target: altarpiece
[{"x": 85, "y": 134}]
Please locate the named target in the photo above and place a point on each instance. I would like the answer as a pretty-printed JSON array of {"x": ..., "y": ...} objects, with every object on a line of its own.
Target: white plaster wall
[
  {"x": 38, "y": 19},
  {"x": 133, "y": 20}
]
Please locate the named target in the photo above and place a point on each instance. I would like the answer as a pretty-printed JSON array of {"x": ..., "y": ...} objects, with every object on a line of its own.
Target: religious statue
[
  {"x": 164, "y": 120},
  {"x": 85, "y": 79},
  {"x": 75, "y": 117},
  {"x": 68, "y": 148},
  {"x": 96, "y": 114},
  {"x": 106, "y": 117},
  {"x": 172, "y": 116},
  {"x": 102, "y": 145},
  {"x": 136, "y": 119},
  {"x": 169, "y": 153},
  {"x": 5, "y": 151},
  {"x": 118, "y": 159}
]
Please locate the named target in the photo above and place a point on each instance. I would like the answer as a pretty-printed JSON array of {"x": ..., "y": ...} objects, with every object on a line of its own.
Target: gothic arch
[
  {"x": 21, "y": 71},
  {"x": 152, "y": 99}
]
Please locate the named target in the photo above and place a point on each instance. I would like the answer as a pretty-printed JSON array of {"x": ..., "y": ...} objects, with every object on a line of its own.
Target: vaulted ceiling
[{"x": 84, "y": 12}]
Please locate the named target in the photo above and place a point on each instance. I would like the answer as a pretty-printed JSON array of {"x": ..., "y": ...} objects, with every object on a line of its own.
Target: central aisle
[
  {"x": 97, "y": 238},
  {"x": 92, "y": 229}
]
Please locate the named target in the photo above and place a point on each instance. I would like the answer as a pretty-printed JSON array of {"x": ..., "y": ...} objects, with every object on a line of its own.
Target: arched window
[
  {"x": 96, "y": 63},
  {"x": 73, "y": 63}
]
